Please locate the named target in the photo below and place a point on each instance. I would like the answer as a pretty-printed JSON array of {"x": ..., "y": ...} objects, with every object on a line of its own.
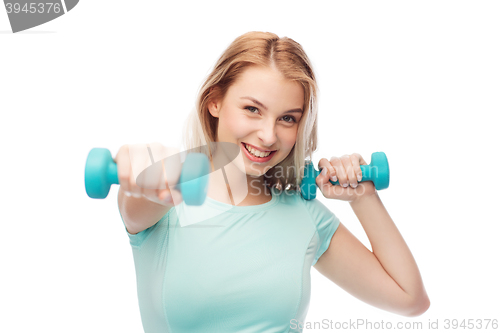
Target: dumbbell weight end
[{"x": 100, "y": 173}]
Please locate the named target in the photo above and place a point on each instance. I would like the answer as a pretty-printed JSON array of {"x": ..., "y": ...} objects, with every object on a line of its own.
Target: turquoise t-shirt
[{"x": 242, "y": 269}]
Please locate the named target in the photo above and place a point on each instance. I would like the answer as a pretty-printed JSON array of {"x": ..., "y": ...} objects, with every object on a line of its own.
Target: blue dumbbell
[
  {"x": 101, "y": 172},
  {"x": 377, "y": 172}
]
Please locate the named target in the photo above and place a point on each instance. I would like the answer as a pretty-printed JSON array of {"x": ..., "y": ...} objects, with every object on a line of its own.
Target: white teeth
[{"x": 256, "y": 152}]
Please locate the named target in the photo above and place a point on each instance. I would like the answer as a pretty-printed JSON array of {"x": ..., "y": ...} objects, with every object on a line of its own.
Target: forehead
[{"x": 267, "y": 85}]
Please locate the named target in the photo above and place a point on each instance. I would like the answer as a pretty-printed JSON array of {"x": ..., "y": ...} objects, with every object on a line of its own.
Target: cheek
[
  {"x": 288, "y": 138},
  {"x": 235, "y": 123}
]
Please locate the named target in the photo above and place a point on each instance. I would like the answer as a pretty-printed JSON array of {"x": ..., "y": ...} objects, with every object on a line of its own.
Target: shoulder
[{"x": 318, "y": 211}]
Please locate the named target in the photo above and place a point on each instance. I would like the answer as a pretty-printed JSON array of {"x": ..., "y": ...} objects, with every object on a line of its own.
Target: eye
[
  {"x": 293, "y": 120},
  {"x": 249, "y": 108}
]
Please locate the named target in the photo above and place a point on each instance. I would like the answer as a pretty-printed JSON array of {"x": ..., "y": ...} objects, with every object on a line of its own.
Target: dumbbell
[
  {"x": 377, "y": 172},
  {"x": 101, "y": 172}
]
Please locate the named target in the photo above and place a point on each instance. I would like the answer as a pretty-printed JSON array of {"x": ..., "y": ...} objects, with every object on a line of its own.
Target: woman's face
[{"x": 261, "y": 109}]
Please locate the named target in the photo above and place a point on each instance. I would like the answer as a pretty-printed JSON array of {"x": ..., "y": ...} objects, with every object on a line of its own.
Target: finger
[
  {"x": 160, "y": 151},
  {"x": 325, "y": 169},
  {"x": 170, "y": 173},
  {"x": 354, "y": 171},
  {"x": 332, "y": 173},
  {"x": 165, "y": 195},
  {"x": 134, "y": 190},
  {"x": 161, "y": 197},
  {"x": 152, "y": 195},
  {"x": 339, "y": 165},
  {"x": 172, "y": 166},
  {"x": 161, "y": 193},
  {"x": 139, "y": 160},
  {"x": 356, "y": 161},
  {"x": 322, "y": 181},
  {"x": 152, "y": 179}
]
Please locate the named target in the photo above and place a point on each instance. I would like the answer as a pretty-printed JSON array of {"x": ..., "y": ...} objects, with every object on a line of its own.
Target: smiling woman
[
  {"x": 272, "y": 81},
  {"x": 268, "y": 129},
  {"x": 241, "y": 262}
]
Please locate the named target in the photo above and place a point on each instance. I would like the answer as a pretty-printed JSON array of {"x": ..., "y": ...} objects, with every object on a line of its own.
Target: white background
[{"x": 417, "y": 80}]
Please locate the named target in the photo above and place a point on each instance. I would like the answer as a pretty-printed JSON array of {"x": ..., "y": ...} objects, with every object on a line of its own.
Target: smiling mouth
[{"x": 256, "y": 153}]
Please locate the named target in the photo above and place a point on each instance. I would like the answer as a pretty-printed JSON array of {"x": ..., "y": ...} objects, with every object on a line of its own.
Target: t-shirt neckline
[{"x": 243, "y": 209}]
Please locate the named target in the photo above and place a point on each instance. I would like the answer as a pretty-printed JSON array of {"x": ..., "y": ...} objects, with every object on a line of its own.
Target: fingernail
[
  {"x": 354, "y": 185},
  {"x": 333, "y": 178},
  {"x": 323, "y": 172},
  {"x": 359, "y": 178},
  {"x": 345, "y": 184}
]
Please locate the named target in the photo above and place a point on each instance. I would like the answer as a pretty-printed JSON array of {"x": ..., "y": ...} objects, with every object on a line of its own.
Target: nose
[{"x": 267, "y": 133}]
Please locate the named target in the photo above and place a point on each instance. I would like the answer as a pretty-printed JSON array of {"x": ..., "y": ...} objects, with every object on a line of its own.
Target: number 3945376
[{"x": 33, "y": 8}]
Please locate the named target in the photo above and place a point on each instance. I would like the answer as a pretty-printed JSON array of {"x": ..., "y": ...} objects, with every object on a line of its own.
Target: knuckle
[
  {"x": 334, "y": 160},
  {"x": 123, "y": 148},
  {"x": 163, "y": 195}
]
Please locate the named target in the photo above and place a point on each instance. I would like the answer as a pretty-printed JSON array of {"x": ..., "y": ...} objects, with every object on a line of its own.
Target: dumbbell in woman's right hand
[
  {"x": 135, "y": 169},
  {"x": 135, "y": 160}
]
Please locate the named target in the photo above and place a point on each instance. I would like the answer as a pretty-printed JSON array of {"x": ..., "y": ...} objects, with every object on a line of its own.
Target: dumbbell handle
[{"x": 112, "y": 174}]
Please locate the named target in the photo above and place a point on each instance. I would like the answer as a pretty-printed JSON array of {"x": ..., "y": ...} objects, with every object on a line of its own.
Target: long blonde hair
[{"x": 265, "y": 49}]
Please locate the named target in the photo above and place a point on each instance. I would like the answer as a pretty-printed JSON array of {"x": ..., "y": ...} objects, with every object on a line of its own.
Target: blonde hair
[{"x": 265, "y": 49}]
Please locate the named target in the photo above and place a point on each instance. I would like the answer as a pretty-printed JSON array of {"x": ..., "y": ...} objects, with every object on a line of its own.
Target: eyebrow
[{"x": 265, "y": 107}]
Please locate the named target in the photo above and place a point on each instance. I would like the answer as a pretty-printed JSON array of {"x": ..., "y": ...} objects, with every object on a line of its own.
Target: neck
[{"x": 229, "y": 184}]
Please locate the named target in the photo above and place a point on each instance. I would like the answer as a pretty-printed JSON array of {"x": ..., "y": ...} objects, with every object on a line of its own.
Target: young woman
[{"x": 245, "y": 267}]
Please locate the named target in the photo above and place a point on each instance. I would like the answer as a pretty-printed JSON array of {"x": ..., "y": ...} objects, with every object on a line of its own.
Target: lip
[
  {"x": 257, "y": 159},
  {"x": 257, "y": 148}
]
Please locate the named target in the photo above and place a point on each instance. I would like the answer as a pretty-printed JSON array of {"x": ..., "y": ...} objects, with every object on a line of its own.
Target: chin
[{"x": 257, "y": 172}]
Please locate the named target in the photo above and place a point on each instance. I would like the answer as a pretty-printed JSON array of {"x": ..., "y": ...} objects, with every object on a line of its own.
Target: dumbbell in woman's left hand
[{"x": 346, "y": 171}]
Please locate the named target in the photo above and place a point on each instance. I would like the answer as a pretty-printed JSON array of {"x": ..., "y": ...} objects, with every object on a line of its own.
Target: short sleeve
[{"x": 326, "y": 224}]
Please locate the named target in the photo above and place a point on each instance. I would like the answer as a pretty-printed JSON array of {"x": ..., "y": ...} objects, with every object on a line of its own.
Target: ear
[{"x": 214, "y": 104}]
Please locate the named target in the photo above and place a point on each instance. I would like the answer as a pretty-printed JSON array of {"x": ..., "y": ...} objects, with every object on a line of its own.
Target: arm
[
  {"x": 388, "y": 277},
  {"x": 140, "y": 213}
]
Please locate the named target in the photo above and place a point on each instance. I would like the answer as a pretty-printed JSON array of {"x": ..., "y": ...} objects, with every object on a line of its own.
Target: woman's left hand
[{"x": 348, "y": 172}]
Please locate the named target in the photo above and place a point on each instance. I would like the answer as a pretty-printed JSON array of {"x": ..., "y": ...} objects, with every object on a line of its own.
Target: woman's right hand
[{"x": 143, "y": 171}]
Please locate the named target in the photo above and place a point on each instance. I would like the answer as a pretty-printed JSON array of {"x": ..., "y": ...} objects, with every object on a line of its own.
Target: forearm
[
  {"x": 140, "y": 213},
  {"x": 388, "y": 245}
]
